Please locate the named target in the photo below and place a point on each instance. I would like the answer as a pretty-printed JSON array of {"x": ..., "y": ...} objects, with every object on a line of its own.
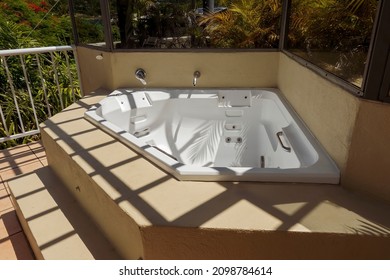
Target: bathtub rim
[{"x": 324, "y": 171}]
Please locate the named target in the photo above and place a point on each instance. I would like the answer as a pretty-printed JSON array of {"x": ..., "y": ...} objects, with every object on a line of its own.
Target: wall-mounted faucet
[
  {"x": 140, "y": 74},
  {"x": 196, "y": 77}
]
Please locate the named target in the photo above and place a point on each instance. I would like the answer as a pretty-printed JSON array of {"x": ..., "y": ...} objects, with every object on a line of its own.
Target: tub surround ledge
[{"x": 146, "y": 213}]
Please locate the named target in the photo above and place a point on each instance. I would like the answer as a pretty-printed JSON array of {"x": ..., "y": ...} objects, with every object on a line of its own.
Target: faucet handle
[
  {"x": 140, "y": 74},
  {"x": 195, "y": 78}
]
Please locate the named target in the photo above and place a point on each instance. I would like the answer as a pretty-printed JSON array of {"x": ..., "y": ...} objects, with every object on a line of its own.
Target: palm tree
[
  {"x": 12, "y": 36},
  {"x": 245, "y": 24},
  {"x": 328, "y": 24},
  {"x": 333, "y": 34}
]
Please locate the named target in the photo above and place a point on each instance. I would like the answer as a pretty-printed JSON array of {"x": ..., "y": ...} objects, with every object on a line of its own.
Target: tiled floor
[{"x": 15, "y": 161}]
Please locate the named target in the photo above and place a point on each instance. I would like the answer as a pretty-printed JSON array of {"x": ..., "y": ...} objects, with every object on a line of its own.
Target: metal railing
[{"x": 35, "y": 83}]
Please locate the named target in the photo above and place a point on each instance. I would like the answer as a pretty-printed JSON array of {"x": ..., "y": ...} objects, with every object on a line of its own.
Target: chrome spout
[
  {"x": 195, "y": 78},
  {"x": 140, "y": 74}
]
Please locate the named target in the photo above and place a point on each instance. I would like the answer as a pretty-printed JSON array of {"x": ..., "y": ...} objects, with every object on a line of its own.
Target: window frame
[
  {"x": 376, "y": 83},
  {"x": 376, "y": 76}
]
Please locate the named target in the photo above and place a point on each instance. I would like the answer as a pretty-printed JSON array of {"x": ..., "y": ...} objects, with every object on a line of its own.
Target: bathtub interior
[{"x": 204, "y": 131}]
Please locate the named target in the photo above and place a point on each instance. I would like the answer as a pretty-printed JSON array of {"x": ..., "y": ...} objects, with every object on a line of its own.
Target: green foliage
[
  {"x": 13, "y": 36},
  {"x": 333, "y": 34},
  {"x": 33, "y": 18},
  {"x": 245, "y": 24},
  {"x": 330, "y": 24},
  {"x": 18, "y": 18},
  {"x": 46, "y": 97}
]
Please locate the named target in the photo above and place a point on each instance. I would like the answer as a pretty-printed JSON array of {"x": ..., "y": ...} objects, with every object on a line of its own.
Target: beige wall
[
  {"x": 329, "y": 111},
  {"x": 368, "y": 168},
  {"x": 94, "y": 73},
  {"x": 168, "y": 69},
  {"x": 354, "y": 131}
]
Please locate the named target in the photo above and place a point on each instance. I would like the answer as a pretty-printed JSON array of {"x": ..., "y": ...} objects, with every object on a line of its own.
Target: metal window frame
[
  {"x": 284, "y": 26},
  {"x": 377, "y": 80},
  {"x": 73, "y": 21},
  {"x": 384, "y": 92},
  {"x": 105, "y": 10},
  {"x": 105, "y": 13},
  {"x": 376, "y": 76},
  {"x": 109, "y": 44}
]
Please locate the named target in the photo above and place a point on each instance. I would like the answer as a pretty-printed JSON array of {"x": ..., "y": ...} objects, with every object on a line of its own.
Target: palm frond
[
  {"x": 246, "y": 23},
  {"x": 205, "y": 146}
]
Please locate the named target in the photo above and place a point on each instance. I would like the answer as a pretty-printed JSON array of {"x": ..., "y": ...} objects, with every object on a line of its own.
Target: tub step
[{"x": 55, "y": 225}]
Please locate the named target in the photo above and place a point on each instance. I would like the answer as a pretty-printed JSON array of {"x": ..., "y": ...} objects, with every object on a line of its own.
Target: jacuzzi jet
[
  {"x": 141, "y": 132},
  {"x": 262, "y": 161},
  {"x": 233, "y": 139}
]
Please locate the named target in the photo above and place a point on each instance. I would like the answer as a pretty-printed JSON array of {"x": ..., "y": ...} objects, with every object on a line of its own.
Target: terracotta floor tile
[
  {"x": 35, "y": 145},
  {"x": 13, "y": 162},
  {"x": 14, "y": 151},
  {"x": 44, "y": 161},
  {"x": 5, "y": 201},
  {"x": 9, "y": 224},
  {"x": 22, "y": 158},
  {"x": 15, "y": 247},
  {"x": 38, "y": 149},
  {"x": 7, "y": 251},
  {"x": 20, "y": 169}
]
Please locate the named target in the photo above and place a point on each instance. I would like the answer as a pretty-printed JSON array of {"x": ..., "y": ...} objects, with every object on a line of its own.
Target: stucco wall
[
  {"x": 369, "y": 157},
  {"x": 168, "y": 69},
  {"x": 329, "y": 111},
  {"x": 354, "y": 131},
  {"x": 94, "y": 73}
]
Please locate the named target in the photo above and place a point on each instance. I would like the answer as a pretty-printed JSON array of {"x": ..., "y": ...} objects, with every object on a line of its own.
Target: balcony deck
[{"x": 13, "y": 162}]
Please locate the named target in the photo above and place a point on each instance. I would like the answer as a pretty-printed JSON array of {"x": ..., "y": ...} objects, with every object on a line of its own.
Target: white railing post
[
  {"x": 43, "y": 83},
  {"x": 22, "y": 81},
  {"x": 75, "y": 55},
  {"x": 11, "y": 84},
  {"x": 29, "y": 89},
  {"x": 53, "y": 61}
]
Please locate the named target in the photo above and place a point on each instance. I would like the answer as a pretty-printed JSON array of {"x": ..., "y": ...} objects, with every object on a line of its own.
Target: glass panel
[
  {"x": 195, "y": 23},
  {"x": 333, "y": 34},
  {"x": 88, "y": 17}
]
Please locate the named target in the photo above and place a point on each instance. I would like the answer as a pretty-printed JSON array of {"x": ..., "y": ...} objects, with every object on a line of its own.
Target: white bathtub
[{"x": 216, "y": 135}]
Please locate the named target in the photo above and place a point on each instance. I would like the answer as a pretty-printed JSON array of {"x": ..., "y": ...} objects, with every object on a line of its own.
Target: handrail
[
  {"x": 35, "y": 50},
  {"x": 35, "y": 77}
]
